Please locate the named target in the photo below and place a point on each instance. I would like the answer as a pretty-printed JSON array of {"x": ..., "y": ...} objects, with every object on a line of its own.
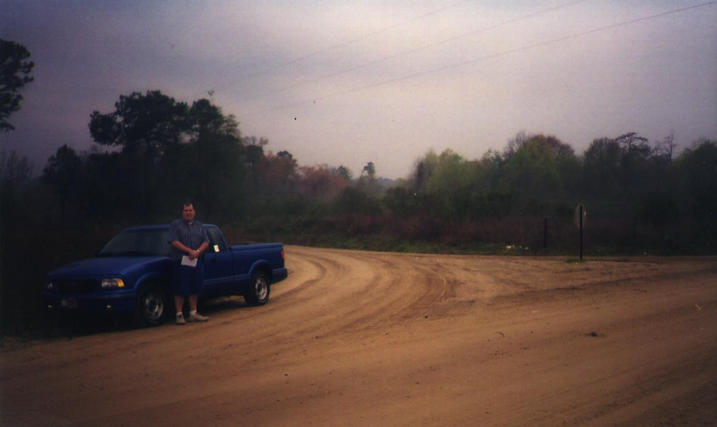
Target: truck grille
[{"x": 78, "y": 285}]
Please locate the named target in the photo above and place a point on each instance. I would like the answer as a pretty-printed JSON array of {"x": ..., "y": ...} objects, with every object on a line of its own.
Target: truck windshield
[{"x": 138, "y": 243}]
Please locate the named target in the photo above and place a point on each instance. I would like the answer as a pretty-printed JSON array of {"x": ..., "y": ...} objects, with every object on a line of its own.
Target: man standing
[{"x": 189, "y": 240}]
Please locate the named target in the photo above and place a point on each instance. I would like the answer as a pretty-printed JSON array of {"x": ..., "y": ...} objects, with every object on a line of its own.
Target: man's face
[{"x": 188, "y": 213}]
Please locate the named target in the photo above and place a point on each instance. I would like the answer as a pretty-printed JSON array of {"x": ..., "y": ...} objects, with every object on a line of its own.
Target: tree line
[
  {"x": 638, "y": 194},
  {"x": 152, "y": 152},
  {"x": 539, "y": 175}
]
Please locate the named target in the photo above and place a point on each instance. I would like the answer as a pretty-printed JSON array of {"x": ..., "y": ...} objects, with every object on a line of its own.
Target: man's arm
[
  {"x": 203, "y": 247},
  {"x": 205, "y": 243},
  {"x": 179, "y": 245},
  {"x": 193, "y": 254}
]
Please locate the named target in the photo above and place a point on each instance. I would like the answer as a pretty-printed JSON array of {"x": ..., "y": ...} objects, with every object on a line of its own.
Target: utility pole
[{"x": 581, "y": 232}]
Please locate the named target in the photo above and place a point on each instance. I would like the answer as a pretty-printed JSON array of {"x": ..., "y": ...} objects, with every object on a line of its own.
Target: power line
[
  {"x": 491, "y": 56},
  {"x": 418, "y": 49},
  {"x": 349, "y": 42}
]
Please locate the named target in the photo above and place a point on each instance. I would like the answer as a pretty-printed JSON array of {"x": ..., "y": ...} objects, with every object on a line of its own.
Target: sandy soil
[{"x": 363, "y": 338}]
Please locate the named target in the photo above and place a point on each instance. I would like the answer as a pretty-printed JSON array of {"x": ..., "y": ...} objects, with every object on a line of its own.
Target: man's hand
[{"x": 193, "y": 254}]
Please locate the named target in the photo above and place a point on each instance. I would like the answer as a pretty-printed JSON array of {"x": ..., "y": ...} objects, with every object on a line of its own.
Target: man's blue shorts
[{"x": 187, "y": 280}]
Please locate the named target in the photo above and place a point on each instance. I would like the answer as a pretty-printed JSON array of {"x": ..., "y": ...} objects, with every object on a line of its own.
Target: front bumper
[{"x": 91, "y": 302}]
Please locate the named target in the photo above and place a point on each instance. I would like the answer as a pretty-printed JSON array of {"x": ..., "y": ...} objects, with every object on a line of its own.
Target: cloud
[{"x": 378, "y": 81}]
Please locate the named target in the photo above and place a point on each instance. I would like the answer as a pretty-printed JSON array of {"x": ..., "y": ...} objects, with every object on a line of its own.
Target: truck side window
[{"x": 216, "y": 241}]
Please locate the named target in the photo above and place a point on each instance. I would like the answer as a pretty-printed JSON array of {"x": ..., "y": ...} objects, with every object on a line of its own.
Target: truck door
[{"x": 218, "y": 268}]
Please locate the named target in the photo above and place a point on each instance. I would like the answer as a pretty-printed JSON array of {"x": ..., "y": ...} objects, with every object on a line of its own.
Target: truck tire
[
  {"x": 258, "y": 293},
  {"x": 152, "y": 306}
]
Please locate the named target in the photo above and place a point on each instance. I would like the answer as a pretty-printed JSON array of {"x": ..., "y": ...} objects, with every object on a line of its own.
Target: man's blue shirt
[{"x": 190, "y": 235}]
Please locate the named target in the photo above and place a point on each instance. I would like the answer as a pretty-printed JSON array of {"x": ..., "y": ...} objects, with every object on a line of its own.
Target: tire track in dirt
[{"x": 366, "y": 338}]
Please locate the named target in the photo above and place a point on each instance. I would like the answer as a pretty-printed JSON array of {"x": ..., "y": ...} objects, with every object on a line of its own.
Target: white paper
[{"x": 189, "y": 262}]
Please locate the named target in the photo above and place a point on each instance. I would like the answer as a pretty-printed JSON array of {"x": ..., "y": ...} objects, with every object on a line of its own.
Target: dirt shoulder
[{"x": 366, "y": 338}]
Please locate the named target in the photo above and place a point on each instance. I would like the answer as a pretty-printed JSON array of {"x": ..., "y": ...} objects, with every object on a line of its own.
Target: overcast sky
[{"x": 348, "y": 82}]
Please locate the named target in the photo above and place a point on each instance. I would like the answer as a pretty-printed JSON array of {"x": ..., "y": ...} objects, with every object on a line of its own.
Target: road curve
[{"x": 368, "y": 338}]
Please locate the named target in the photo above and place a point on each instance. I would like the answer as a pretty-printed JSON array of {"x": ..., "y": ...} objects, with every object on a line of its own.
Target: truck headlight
[{"x": 112, "y": 283}]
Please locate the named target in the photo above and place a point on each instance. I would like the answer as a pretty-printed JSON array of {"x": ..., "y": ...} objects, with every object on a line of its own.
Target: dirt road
[{"x": 362, "y": 338}]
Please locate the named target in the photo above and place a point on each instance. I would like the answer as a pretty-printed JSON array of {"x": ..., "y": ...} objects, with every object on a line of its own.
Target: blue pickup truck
[{"x": 131, "y": 274}]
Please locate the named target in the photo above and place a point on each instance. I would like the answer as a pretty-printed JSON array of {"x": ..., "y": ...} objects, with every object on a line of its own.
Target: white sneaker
[
  {"x": 196, "y": 317},
  {"x": 180, "y": 319}
]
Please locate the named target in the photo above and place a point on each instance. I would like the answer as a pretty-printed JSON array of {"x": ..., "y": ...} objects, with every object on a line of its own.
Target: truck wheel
[
  {"x": 152, "y": 306},
  {"x": 258, "y": 293}
]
